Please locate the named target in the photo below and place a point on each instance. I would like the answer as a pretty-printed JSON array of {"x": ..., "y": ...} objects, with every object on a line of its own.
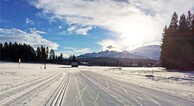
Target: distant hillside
[
  {"x": 112, "y": 54},
  {"x": 150, "y": 51},
  {"x": 143, "y": 56}
]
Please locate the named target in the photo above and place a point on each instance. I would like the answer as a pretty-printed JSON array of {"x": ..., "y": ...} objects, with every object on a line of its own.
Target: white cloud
[
  {"x": 28, "y": 21},
  {"x": 83, "y": 31},
  {"x": 122, "y": 44},
  {"x": 74, "y": 51},
  {"x": 77, "y": 50},
  {"x": 106, "y": 44},
  {"x": 35, "y": 31},
  {"x": 33, "y": 37},
  {"x": 71, "y": 29},
  {"x": 135, "y": 22},
  {"x": 80, "y": 31}
]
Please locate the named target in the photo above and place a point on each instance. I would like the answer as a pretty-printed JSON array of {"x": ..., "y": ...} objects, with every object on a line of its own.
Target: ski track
[
  {"x": 134, "y": 95},
  {"x": 25, "y": 92},
  {"x": 17, "y": 88},
  {"x": 86, "y": 88},
  {"x": 57, "y": 97}
]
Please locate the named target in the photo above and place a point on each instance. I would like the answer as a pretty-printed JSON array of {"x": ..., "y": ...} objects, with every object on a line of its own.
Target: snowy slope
[
  {"x": 144, "y": 52},
  {"x": 150, "y": 51},
  {"x": 113, "y": 54}
]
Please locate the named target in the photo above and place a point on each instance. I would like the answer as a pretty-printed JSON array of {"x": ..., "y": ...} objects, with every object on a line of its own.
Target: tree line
[
  {"x": 178, "y": 43},
  {"x": 14, "y": 51}
]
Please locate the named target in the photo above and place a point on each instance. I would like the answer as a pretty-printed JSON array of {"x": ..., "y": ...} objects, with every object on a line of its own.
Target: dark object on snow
[{"x": 74, "y": 64}]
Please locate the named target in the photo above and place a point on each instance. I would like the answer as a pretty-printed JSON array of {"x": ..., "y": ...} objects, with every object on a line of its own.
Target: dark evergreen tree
[
  {"x": 177, "y": 47},
  {"x": 183, "y": 24},
  {"x": 44, "y": 53},
  {"x": 174, "y": 23},
  {"x": 1, "y": 49},
  {"x": 52, "y": 56},
  {"x": 56, "y": 59},
  {"x": 6, "y": 52},
  {"x": 74, "y": 58},
  {"x": 163, "y": 54},
  {"x": 189, "y": 20},
  {"x": 193, "y": 23},
  {"x": 38, "y": 54},
  {"x": 61, "y": 58},
  {"x": 14, "y": 52}
]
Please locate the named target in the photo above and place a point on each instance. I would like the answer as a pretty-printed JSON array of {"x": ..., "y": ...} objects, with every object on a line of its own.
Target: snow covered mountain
[
  {"x": 112, "y": 54},
  {"x": 150, "y": 51},
  {"x": 144, "y": 52}
]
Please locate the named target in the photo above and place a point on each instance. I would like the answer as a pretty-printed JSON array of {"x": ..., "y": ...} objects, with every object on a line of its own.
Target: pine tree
[
  {"x": 163, "y": 48},
  {"x": 61, "y": 58},
  {"x": 38, "y": 54},
  {"x": 52, "y": 55},
  {"x": 6, "y": 51},
  {"x": 73, "y": 58},
  {"x": 177, "y": 47},
  {"x": 193, "y": 24},
  {"x": 44, "y": 53},
  {"x": 56, "y": 59},
  {"x": 183, "y": 24},
  {"x": 189, "y": 20},
  {"x": 1, "y": 50},
  {"x": 174, "y": 23},
  {"x": 14, "y": 51}
]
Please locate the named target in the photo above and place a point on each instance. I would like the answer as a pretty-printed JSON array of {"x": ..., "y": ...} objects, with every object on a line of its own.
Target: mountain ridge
[
  {"x": 112, "y": 54},
  {"x": 150, "y": 51},
  {"x": 144, "y": 52}
]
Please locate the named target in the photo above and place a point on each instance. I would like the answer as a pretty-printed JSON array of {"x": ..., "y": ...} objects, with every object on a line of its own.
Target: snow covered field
[
  {"x": 30, "y": 84},
  {"x": 178, "y": 83}
]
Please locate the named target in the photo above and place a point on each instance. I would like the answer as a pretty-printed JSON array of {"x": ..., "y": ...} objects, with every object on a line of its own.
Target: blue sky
[{"x": 81, "y": 26}]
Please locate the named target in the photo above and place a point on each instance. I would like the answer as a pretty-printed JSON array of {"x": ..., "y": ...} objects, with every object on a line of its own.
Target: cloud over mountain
[{"x": 134, "y": 22}]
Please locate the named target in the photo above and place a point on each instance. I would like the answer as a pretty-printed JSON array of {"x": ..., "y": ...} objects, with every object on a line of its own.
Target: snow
[
  {"x": 14, "y": 79},
  {"x": 113, "y": 54},
  {"x": 31, "y": 79},
  {"x": 177, "y": 83},
  {"x": 150, "y": 51}
]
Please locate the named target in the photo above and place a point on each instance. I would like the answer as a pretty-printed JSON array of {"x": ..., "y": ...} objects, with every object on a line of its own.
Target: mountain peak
[
  {"x": 150, "y": 51},
  {"x": 112, "y": 54}
]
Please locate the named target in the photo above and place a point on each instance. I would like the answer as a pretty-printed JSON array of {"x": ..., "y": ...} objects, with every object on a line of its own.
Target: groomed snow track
[
  {"x": 57, "y": 97},
  {"x": 76, "y": 87},
  {"x": 23, "y": 93}
]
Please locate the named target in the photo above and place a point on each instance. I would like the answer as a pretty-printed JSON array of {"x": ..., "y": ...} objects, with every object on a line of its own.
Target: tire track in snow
[
  {"x": 91, "y": 94},
  {"x": 25, "y": 95},
  {"x": 80, "y": 99},
  {"x": 115, "y": 95},
  {"x": 115, "y": 89},
  {"x": 141, "y": 94}
]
